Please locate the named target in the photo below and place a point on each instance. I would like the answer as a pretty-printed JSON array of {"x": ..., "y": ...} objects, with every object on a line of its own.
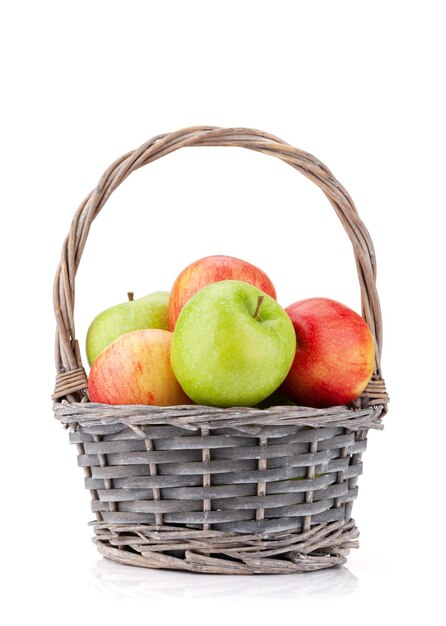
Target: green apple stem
[
  {"x": 130, "y": 295},
  {"x": 260, "y": 299}
]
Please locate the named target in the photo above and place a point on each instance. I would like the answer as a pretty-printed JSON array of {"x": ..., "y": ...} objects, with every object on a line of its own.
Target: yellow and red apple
[
  {"x": 213, "y": 269},
  {"x": 335, "y": 354},
  {"x": 136, "y": 369}
]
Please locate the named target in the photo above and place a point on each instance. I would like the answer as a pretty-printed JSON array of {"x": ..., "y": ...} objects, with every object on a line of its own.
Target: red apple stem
[
  {"x": 130, "y": 295},
  {"x": 260, "y": 299}
]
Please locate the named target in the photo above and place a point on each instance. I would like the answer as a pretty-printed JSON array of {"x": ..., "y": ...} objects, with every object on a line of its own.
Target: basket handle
[{"x": 71, "y": 381}]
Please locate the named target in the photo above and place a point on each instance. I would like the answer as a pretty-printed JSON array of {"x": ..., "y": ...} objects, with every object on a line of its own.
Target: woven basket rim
[{"x": 196, "y": 417}]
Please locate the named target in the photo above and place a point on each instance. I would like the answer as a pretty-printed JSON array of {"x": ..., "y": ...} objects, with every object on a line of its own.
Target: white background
[{"x": 358, "y": 84}]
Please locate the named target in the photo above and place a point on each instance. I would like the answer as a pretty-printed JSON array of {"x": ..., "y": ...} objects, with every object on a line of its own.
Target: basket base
[{"x": 219, "y": 552}]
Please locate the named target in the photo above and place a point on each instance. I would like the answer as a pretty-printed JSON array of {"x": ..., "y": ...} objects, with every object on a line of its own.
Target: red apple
[
  {"x": 334, "y": 357},
  {"x": 135, "y": 369},
  {"x": 213, "y": 269}
]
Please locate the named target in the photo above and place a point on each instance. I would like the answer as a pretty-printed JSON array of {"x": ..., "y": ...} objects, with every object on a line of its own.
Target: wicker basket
[{"x": 228, "y": 491}]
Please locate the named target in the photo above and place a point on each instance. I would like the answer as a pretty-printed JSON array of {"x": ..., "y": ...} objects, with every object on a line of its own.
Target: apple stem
[
  {"x": 130, "y": 295},
  {"x": 260, "y": 299}
]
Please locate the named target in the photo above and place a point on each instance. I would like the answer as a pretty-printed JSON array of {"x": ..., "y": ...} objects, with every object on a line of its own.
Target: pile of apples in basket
[{"x": 220, "y": 338}]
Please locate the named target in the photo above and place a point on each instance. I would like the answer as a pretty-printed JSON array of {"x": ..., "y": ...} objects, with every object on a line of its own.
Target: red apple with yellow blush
[
  {"x": 335, "y": 354},
  {"x": 213, "y": 269},
  {"x": 136, "y": 369}
]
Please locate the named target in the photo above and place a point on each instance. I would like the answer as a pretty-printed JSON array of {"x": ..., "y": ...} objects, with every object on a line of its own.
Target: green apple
[
  {"x": 233, "y": 345},
  {"x": 148, "y": 312}
]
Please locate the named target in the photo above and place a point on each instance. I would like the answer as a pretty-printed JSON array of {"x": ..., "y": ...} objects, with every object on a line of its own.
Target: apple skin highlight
[
  {"x": 335, "y": 354},
  {"x": 213, "y": 269},
  {"x": 136, "y": 369}
]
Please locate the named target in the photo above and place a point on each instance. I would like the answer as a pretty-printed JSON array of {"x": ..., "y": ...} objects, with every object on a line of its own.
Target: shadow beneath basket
[{"x": 125, "y": 581}]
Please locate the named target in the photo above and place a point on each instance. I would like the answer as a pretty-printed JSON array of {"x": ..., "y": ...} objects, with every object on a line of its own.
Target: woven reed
[{"x": 238, "y": 490}]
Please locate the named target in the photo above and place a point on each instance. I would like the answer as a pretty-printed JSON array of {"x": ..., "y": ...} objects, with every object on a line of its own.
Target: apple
[
  {"x": 335, "y": 354},
  {"x": 135, "y": 369},
  {"x": 232, "y": 345},
  {"x": 148, "y": 312},
  {"x": 212, "y": 269}
]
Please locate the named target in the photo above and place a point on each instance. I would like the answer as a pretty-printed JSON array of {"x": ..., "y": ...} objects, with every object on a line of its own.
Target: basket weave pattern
[{"x": 238, "y": 490}]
